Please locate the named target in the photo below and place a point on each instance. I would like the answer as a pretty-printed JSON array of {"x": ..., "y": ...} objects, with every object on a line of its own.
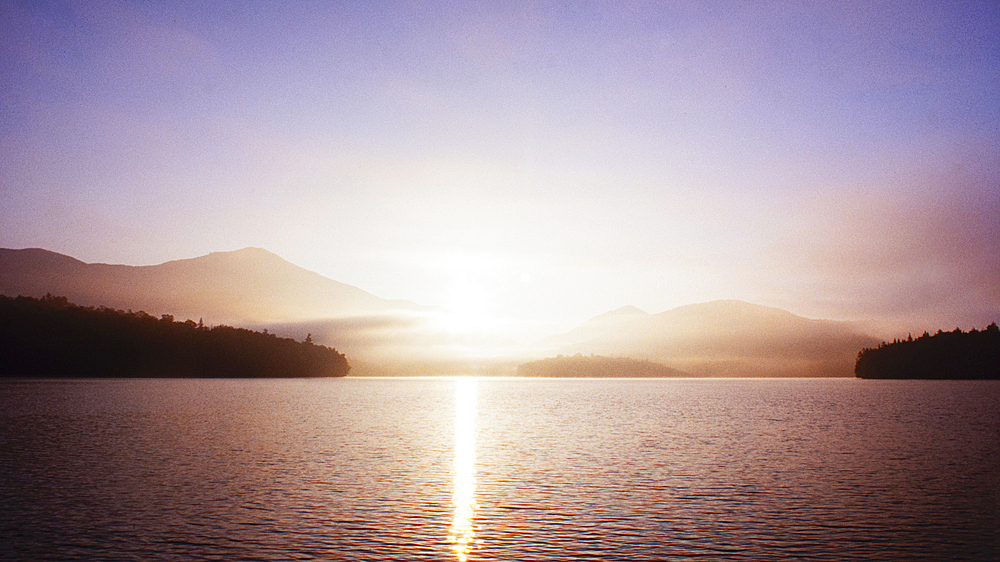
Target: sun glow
[
  {"x": 462, "y": 534},
  {"x": 467, "y": 298}
]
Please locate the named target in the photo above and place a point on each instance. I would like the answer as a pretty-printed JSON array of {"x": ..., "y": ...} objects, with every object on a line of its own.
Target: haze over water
[
  {"x": 500, "y": 469},
  {"x": 709, "y": 185}
]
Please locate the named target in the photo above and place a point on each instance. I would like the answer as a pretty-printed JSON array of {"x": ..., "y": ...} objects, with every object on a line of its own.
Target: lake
[{"x": 499, "y": 469}]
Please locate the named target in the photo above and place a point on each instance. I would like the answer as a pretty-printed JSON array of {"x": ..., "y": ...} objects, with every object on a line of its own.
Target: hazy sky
[{"x": 538, "y": 161}]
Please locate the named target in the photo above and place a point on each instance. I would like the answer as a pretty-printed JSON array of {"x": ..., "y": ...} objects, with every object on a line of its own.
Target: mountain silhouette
[
  {"x": 720, "y": 338},
  {"x": 627, "y": 311},
  {"x": 257, "y": 289},
  {"x": 245, "y": 286}
]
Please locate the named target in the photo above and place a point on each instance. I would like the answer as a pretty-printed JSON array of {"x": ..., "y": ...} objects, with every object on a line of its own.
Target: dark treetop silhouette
[
  {"x": 51, "y": 337},
  {"x": 580, "y": 365},
  {"x": 945, "y": 355}
]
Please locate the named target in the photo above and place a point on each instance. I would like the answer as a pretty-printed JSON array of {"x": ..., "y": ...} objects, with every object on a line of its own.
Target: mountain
[
  {"x": 627, "y": 311},
  {"x": 721, "y": 338},
  {"x": 245, "y": 286},
  {"x": 256, "y": 289}
]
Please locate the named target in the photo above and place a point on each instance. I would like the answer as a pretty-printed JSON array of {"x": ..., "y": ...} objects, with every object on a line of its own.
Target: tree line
[
  {"x": 52, "y": 337},
  {"x": 945, "y": 355},
  {"x": 580, "y": 365}
]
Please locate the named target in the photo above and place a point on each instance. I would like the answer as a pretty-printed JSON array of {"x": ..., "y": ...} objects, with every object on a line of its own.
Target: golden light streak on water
[{"x": 462, "y": 535}]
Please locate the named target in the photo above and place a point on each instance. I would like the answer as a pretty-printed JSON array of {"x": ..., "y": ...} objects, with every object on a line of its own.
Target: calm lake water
[{"x": 500, "y": 469}]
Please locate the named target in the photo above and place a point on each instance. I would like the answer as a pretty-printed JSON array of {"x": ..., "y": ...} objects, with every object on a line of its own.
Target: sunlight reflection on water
[
  {"x": 462, "y": 536},
  {"x": 533, "y": 470}
]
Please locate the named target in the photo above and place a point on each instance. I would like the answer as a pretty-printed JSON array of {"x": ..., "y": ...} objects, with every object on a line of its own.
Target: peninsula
[
  {"x": 52, "y": 337},
  {"x": 945, "y": 355}
]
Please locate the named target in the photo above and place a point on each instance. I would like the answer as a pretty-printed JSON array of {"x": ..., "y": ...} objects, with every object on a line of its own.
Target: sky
[{"x": 535, "y": 163}]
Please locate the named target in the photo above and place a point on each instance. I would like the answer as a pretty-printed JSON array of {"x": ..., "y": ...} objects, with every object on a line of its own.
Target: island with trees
[
  {"x": 52, "y": 337},
  {"x": 580, "y": 365},
  {"x": 945, "y": 355}
]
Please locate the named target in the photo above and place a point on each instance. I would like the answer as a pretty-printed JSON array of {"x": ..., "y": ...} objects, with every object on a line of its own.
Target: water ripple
[{"x": 367, "y": 469}]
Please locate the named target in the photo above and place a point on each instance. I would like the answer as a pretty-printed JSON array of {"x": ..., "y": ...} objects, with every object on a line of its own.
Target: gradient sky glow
[{"x": 537, "y": 162}]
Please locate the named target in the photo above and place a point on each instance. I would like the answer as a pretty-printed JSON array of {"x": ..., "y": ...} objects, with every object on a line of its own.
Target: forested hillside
[
  {"x": 51, "y": 337},
  {"x": 945, "y": 355}
]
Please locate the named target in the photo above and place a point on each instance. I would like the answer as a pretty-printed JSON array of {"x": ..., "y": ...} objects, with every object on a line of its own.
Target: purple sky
[{"x": 536, "y": 162}]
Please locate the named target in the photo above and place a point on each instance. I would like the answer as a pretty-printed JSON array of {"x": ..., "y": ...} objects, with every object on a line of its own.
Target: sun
[
  {"x": 467, "y": 294},
  {"x": 466, "y": 310}
]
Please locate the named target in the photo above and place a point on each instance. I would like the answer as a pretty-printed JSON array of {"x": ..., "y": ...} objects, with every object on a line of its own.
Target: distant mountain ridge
[
  {"x": 250, "y": 285},
  {"x": 720, "y": 338},
  {"x": 627, "y": 311},
  {"x": 258, "y": 289}
]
